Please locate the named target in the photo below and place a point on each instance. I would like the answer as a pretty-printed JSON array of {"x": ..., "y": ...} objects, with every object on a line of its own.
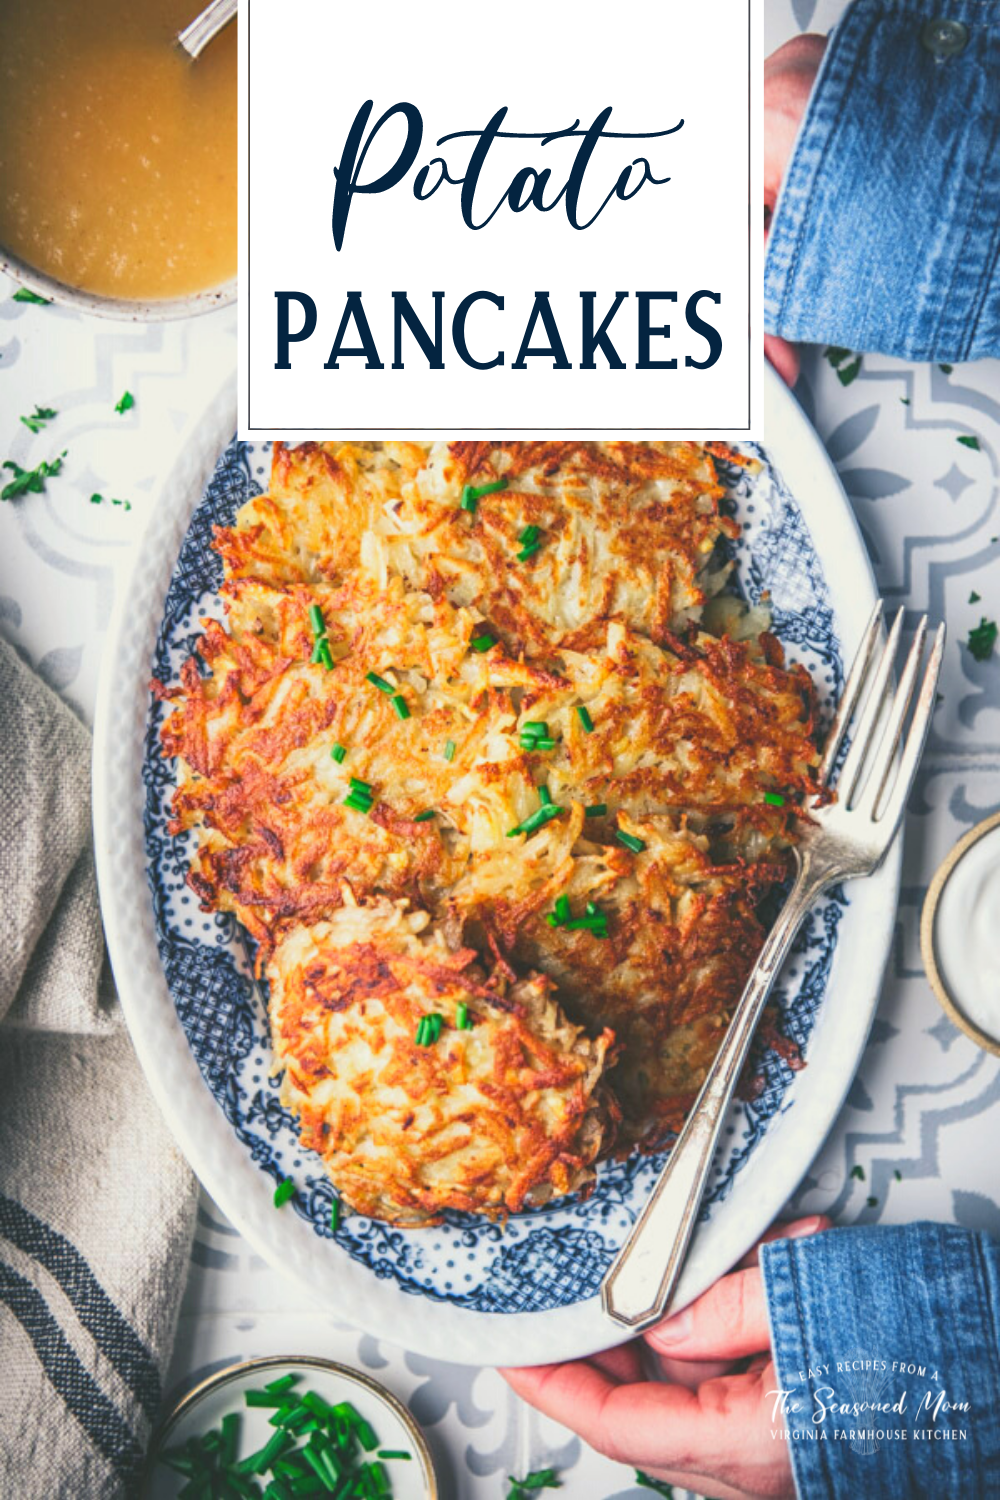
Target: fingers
[
  {"x": 789, "y": 75},
  {"x": 645, "y": 1423},
  {"x": 715, "y": 1441},
  {"x": 692, "y": 1372},
  {"x": 621, "y": 1364},
  {"x": 783, "y": 356},
  {"x": 729, "y": 1321},
  {"x": 795, "y": 1229}
]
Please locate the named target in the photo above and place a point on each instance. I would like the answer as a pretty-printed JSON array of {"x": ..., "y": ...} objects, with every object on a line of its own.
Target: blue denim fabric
[
  {"x": 886, "y": 235},
  {"x": 926, "y": 1294}
]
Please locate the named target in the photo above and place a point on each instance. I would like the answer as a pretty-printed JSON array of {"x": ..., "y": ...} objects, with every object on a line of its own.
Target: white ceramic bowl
[
  {"x": 222, "y": 1393},
  {"x": 123, "y": 309}
]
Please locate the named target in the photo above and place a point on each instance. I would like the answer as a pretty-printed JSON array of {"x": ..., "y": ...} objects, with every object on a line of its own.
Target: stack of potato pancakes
[{"x": 496, "y": 774}]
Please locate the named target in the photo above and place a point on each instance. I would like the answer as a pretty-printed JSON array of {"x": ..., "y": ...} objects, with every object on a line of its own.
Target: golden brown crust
[
  {"x": 491, "y": 1116},
  {"x": 690, "y": 731}
]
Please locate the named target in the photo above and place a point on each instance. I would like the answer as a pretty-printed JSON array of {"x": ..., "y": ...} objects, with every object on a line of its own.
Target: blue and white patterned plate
[{"x": 468, "y": 1290}]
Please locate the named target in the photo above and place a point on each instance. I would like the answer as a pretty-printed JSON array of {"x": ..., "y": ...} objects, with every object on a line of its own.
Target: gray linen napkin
[{"x": 96, "y": 1203}]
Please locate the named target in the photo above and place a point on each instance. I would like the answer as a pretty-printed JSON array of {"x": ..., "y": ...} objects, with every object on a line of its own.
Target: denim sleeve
[
  {"x": 894, "y": 1316},
  {"x": 886, "y": 234}
]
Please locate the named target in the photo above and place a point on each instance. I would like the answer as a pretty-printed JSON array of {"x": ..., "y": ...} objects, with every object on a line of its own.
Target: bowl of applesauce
[{"x": 117, "y": 157}]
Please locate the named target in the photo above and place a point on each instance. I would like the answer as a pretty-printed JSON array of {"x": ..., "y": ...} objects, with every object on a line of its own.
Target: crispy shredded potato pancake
[
  {"x": 507, "y": 1109},
  {"x": 492, "y": 694}
]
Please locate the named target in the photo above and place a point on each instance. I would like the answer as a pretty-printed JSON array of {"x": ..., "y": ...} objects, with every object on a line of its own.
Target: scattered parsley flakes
[
  {"x": 905, "y": 400},
  {"x": 946, "y": 369},
  {"x": 974, "y": 598},
  {"x": 29, "y": 481},
  {"x": 982, "y": 639},
  {"x": 898, "y": 1175},
  {"x": 98, "y": 499},
  {"x": 658, "y": 1486},
  {"x": 858, "y": 1173},
  {"x": 846, "y": 364},
  {"x": 24, "y": 295},
  {"x": 538, "y": 1479},
  {"x": 871, "y": 1202},
  {"x": 968, "y": 441},
  {"x": 125, "y": 404},
  {"x": 39, "y": 417}
]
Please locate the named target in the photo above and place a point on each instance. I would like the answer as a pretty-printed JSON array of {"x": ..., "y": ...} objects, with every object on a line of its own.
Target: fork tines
[{"x": 874, "y": 780}]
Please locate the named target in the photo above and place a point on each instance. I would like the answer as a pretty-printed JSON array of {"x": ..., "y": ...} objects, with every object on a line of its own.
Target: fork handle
[{"x": 638, "y": 1288}]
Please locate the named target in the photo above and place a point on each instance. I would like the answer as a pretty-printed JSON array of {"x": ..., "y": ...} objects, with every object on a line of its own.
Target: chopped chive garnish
[
  {"x": 462, "y": 1021},
  {"x": 316, "y": 620},
  {"x": 125, "y": 404},
  {"x": 583, "y": 715},
  {"x": 231, "y": 1424},
  {"x": 544, "y": 796},
  {"x": 484, "y": 642},
  {"x": 421, "y": 1035},
  {"x": 598, "y": 925},
  {"x": 537, "y": 742},
  {"x": 284, "y": 1191},
  {"x": 339, "y": 753},
  {"x": 322, "y": 654},
  {"x": 24, "y": 295},
  {"x": 428, "y": 1032},
  {"x": 774, "y": 798},
  {"x": 335, "y": 1215},
  {"x": 449, "y": 750},
  {"x": 364, "y": 1430},
  {"x": 529, "y": 551},
  {"x": 379, "y": 682},
  {"x": 284, "y": 1383},
  {"x": 360, "y": 801},
  {"x": 318, "y": 1449},
  {"x": 596, "y": 810},
  {"x": 534, "y": 727},
  {"x": 530, "y": 534},
  {"x": 562, "y": 908},
  {"x": 473, "y": 493},
  {"x": 399, "y": 703},
  {"x": 630, "y": 841},
  {"x": 537, "y": 820},
  {"x": 425, "y": 816},
  {"x": 358, "y": 785}
]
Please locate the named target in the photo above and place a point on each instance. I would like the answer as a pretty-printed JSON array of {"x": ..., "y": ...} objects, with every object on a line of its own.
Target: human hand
[
  {"x": 705, "y": 1423},
  {"x": 789, "y": 75}
]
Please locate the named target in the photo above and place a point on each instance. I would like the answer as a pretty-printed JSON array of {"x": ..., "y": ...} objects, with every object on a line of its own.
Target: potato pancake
[
  {"x": 498, "y": 1106},
  {"x": 624, "y": 530},
  {"x": 583, "y": 762}
]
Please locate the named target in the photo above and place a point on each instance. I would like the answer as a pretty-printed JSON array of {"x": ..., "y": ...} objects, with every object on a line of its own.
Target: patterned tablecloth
[{"x": 912, "y": 1141}]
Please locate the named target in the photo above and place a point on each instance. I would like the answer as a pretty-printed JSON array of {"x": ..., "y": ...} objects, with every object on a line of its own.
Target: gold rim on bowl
[
  {"x": 126, "y": 310},
  {"x": 235, "y": 1372},
  {"x": 927, "y": 919}
]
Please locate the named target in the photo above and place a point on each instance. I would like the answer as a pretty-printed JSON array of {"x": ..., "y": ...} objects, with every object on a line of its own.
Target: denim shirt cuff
[
  {"x": 924, "y": 1296},
  {"x": 886, "y": 234}
]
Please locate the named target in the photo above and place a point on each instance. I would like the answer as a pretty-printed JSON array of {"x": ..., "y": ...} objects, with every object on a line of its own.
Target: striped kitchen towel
[{"x": 96, "y": 1203}]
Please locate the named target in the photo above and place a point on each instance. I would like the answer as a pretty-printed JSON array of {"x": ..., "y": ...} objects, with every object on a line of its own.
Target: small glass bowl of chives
[{"x": 254, "y": 1422}]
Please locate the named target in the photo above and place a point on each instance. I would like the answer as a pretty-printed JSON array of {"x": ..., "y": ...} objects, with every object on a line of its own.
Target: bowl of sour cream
[{"x": 960, "y": 934}]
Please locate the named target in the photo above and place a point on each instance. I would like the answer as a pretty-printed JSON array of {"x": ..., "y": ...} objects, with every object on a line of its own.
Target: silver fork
[{"x": 847, "y": 838}]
